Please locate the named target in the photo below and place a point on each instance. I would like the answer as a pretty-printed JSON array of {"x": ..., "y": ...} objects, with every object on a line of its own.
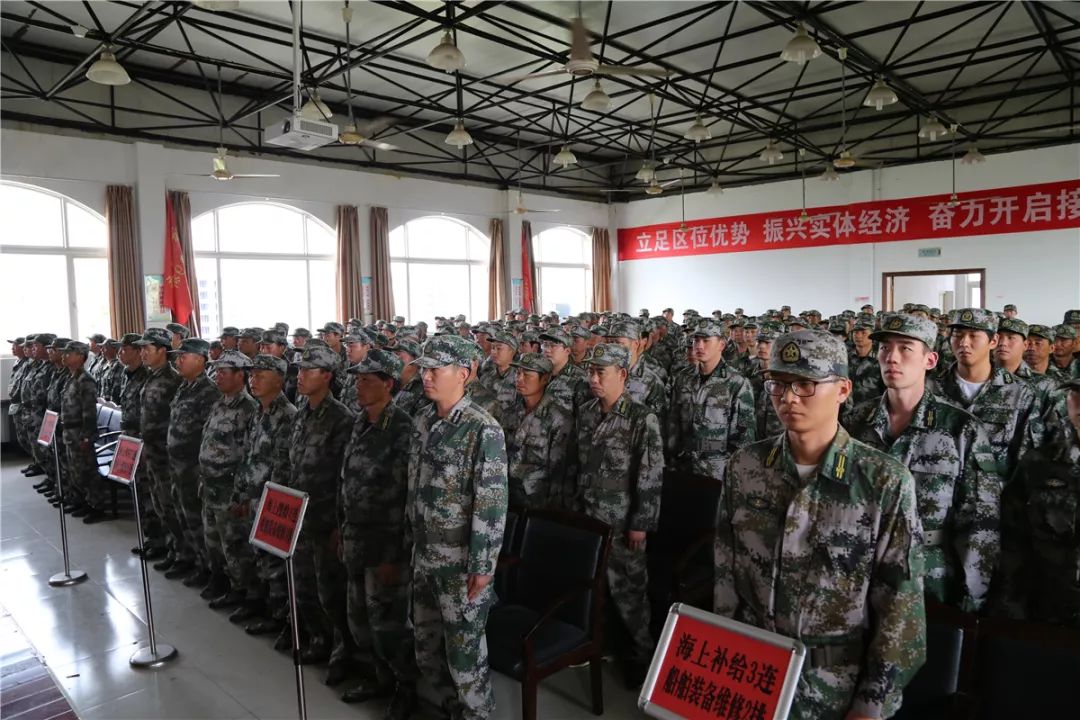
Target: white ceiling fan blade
[
  {"x": 254, "y": 175},
  {"x": 669, "y": 183},
  {"x": 378, "y": 145},
  {"x": 374, "y": 126},
  {"x": 514, "y": 79},
  {"x": 530, "y": 210},
  {"x": 621, "y": 70}
]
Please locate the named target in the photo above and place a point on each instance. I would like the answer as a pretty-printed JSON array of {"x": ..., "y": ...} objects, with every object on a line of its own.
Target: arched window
[
  {"x": 563, "y": 258},
  {"x": 54, "y": 275},
  {"x": 261, "y": 263},
  {"x": 439, "y": 267}
]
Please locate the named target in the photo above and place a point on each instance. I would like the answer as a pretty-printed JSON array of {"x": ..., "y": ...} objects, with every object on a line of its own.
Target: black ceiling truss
[{"x": 1004, "y": 73}]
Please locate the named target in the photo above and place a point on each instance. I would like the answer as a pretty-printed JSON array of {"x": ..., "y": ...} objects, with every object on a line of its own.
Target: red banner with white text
[{"x": 1025, "y": 208}]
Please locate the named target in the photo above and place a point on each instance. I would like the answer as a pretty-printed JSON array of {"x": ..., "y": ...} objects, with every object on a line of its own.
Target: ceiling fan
[
  {"x": 655, "y": 187},
  {"x": 582, "y": 63},
  {"x": 521, "y": 209},
  {"x": 355, "y": 133}
]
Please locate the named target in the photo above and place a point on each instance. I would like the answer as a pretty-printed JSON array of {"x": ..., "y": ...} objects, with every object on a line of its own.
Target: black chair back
[{"x": 1027, "y": 670}]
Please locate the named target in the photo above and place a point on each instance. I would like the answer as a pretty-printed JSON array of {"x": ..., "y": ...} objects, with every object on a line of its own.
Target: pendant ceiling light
[
  {"x": 801, "y": 48},
  {"x": 645, "y": 172},
  {"x": 459, "y": 137},
  {"x": 771, "y": 154},
  {"x": 880, "y": 95},
  {"x": 565, "y": 157},
  {"x": 106, "y": 71},
  {"x": 714, "y": 188},
  {"x": 653, "y": 188},
  {"x": 446, "y": 56},
  {"x": 829, "y": 175},
  {"x": 932, "y": 129},
  {"x": 315, "y": 108},
  {"x": 597, "y": 100},
  {"x": 844, "y": 160},
  {"x": 973, "y": 156},
  {"x": 698, "y": 131}
]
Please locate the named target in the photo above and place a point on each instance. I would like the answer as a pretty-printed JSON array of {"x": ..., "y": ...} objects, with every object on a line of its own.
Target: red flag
[
  {"x": 528, "y": 269},
  {"x": 176, "y": 293}
]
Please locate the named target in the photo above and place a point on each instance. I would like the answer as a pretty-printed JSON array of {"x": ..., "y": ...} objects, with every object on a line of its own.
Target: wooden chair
[{"x": 553, "y": 618}]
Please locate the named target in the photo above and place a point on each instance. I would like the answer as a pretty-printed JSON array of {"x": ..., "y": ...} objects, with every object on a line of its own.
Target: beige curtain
[
  {"x": 382, "y": 288},
  {"x": 601, "y": 270},
  {"x": 182, "y": 212},
  {"x": 127, "y": 308},
  {"x": 350, "y": 300},
  {"x": 496, "y": 272}
]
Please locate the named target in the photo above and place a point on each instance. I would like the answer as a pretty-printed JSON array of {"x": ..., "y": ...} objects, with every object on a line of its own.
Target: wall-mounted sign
[{"x": 930, "y": 252}]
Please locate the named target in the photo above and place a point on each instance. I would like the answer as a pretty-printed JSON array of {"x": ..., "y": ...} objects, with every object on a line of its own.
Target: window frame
[
  {"x": 585, "y": 265},
  {"x": 217, "y": 254},
  {"x": 65, "y": 249}
]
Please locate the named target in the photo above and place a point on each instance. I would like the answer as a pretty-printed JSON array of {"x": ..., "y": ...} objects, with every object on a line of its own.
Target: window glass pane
[
  {"x": 399, "y": 277},
  {"x": 562, "y": 290},
  {"x": 397, "y": 242},
  {"x": 321, "y": 239},
  {"x": 21, "y": 283},
  {"x": 561, "y": 245},
  {"x": 437, "y": 238},
  {"x": 202, "y": 233},
  {"x": 263, "y": 292},
  {"x": 437, "y": 290},
  {"x": 479, "y": 247},
  {"x": 206, "y": 273},
  {"x": 30, "y": 217},
  {"x": 85, "y": 229},
  {"x": 323, "y": 293},
  {"x": 261, "y": 228},
  {"x": 92, "y": 296},
  {"x": 479, "y": 305}
]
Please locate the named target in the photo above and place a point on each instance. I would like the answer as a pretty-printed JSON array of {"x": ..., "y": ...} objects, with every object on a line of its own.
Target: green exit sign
[{"x": 929, "y": 252}]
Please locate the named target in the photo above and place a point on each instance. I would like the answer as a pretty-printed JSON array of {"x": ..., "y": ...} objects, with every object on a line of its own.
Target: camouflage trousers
[
  {"x": 155, "y": 461},
  {"x": 187, "y": 506},
  {"x": 215, "y": 522},
  {"x": 151, "y": 523},
  {"x": 379, "y": 618},
  {"x": 628, "y": 580},
  {"x": 825, "y": 693},
  {"x": 22, "y": 432},
  {"x": 43, "y": 455},
  {"x": 451, "y": 648},
  {"x": 84, "y": 482},
  {"x": 320, "y": 590}
]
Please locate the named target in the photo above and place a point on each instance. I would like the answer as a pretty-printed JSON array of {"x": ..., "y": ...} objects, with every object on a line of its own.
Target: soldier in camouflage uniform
[
  {"x": 455, "y": 517},
  {"x": 866, "y": 383},
  {"x": 95, "y": 361},
  {"x": 187, "y": 419},
  {"x": 712, "y": 410},
  {"x": 568, "y": 385},
  {"x": 1063, "y": 366},
  {"x": 410, "y": 396},
  {"x": 316, "y": 447},
  {"x": 371, "y": 516},
  {"x": 273, "y": 343},
  {"x": 357, "y": 346},
  {"x": 957, "y": 486},
  {"x": 23, "y": 364},
  {"x": 129, "y": 400},
  {"x": 112, "y": 373},
  {"x": 620, "y": 468},
  {"x": 34, "y": 403},
  {"x": 1041, "y": 529},
  {"x": 178, "y": 333},
  {"x": 220, "y": 454},
  {"x": 54, "y": 396},
  {"x": 818, "y": 538},
  {"x": 538, "y": 433},
  {"x": 78, "y": 418},
  {"x": 1009, "y": 354},
  {"x": 767, "y": 421},
  {"x": 1040, "y": 341},
  {"x": 501, "y": 380},
  {"x": 1005, "y": 405},
  {"x": 333, "y": 334},
  {"x": 642, "y": 385},
  {"x": 580, "y": 337},
  {"x": 476, "y": 390}
]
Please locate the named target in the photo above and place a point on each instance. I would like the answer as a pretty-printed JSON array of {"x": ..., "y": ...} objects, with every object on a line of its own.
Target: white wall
[
  {"x": 81, "y": 167},
  {"x": 1040, "y": 272}
]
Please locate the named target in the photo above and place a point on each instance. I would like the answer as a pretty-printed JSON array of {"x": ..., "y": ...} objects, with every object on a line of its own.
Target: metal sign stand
[
  {"x": 69, "y": 576},
  {"x": 294, "y": 620},
  {"x": 152, "y": 655}
]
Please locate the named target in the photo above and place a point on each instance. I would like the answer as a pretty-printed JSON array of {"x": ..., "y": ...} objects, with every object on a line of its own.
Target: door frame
[{"x": 887, "y": 296}]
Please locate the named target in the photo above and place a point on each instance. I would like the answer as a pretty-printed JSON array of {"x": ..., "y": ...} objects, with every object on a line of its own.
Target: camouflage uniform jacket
[
  {"x": 957, "y": 487},
  {"x": 222, "y": 448},
  {"x": 157, "y": 394},
  {"x": 644, "y": 387},
  {"x": 537, "y": 451},
  {"x": 660, "y": 353},
  {"x": 409, "y": 397},
  {"x": 1043, "y": 385},
  {"x": 738, "y": 361},
  {"x": 130, "y": 400},
  {"x": 316, "y": 449},
  {"x": 1008, "y": 410},
  {"x": 654, "y": 367},
  {"x": 35, "y": 393},
  {"x": 374, "y": 485},
  {"x": 187, "y": 417},
  {"x": 503, "y": 387},
  {"x": 620, "y": 464},
  {"x": 711, "y": 417},
  {"x": 19, "y": 372},
  {"x": 266, "y": 449},
  {"x": 78, "y": 409},
  {"x": 112, "y": 381},
  {"x": 59, "y": 381},
  {"x": 569, "y": 388},
  {"x": 456, "y": 509},
  {"x": 835, "y": 561},
  {"x": 1061, "y": 374},
  {"x": 480, "y": 395},
  {"x": 1041, "y": 535},
  {"x": 865, "y": 374}
]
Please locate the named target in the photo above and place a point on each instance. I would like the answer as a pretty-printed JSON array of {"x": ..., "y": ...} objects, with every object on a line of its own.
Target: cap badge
[
  {"x": 966, "y": 316},
  {"x": 896, "y": 323},
  {"x": 791, "y": 353}
]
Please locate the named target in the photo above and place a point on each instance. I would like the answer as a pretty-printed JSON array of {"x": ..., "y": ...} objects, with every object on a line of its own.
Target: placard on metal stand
[
  {"x": 50, "y": 425},
  {"x": 278, "y": 519},
  {"x": 705, "y": 662},
  {"x": 124, "y": 470}
]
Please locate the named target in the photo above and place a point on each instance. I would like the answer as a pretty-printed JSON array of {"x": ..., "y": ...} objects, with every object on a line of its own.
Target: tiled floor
[{"x": 86, "y": 633}]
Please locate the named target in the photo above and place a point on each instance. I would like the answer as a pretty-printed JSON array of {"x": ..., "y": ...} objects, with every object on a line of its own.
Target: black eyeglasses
[{"x": 801, "y": 388}]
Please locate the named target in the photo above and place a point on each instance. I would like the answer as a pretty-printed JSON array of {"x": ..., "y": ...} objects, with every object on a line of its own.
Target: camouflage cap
[
  {"x": 534, "y": 362},
  {"x": 281, "y": 327},
  {"x": 1065, "y": 331},
  {"x": 379, "y": 361},
  {"x": 181, "y": 330},
  {"x": 556, "y": 335},
  {"x": 1043, "y": 331},
  {"x": 907, "y": 325},
  {"x": 319, "y": 357},
  {"x": 785, "y": 307},
  {"x": 974, "y": 318},
  {"x": 810, "y": 354},
  {"x": 273, "y": 337},
  {"x": 17, "y": 341},
  {"x": 767, "y": 334},
  {"x": 195, "y": 346},
  {"x": 798, "y": 320},
  {"x": 919, "y": 307},
  {"x": 216, "y": 345},
  {"x": 269, "y": 362},
  {"x": 45, "y": 339},
  {"x": 399, "y": 319},
  {"x": 156, "y": 336},
  {"x": 234, "y": 360},
  {"x": 387, "y": 327},
  {"x": 59, "y": 343},
  {"x": 506, "y": 339},
  {"x": 624, "y": 329},
  {"x": 644, "y": 312},
  {"x": 97, "y": 337},
  {"x": 1072, "y": 317},
  {"x": 408, "y": 346},
  {"x": 229, "y": 331},
  {"x": 1009, "y": 307},
  {"x": 609, "y": 354},
  {"x": 581, "y": 332},
  {"x": 251, "y": 333},
  {"x": 76, "y": 346},
  {"x": 332, "y": 327},
  {"x": 530, "y": 336},
  {"x": 445, "y": 350},
  {"x": 130, "y": 339},
  {"x": 316, "y": 342},
  {"x": 112, "y": 344},
  {"x": 1014, "y": 325},
  {"x": 301, "y": 332},
  {"x": 358, "y": 335},
  {"x": 837, "y": 327},
  {"x": 709, "y": 328}
]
